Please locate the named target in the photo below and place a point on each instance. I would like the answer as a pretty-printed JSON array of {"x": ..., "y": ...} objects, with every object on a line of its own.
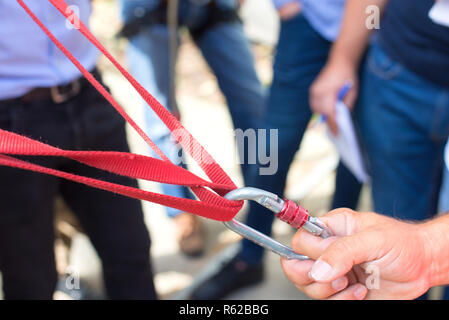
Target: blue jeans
[
  {"x": 404, "y": 122},
  {"x": 300, "y": 55},
  {"x": 444, "y": 193},
  {"x": 228, "y": 54}
]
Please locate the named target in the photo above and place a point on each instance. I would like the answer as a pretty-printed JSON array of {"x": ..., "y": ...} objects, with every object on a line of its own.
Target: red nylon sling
[{"x": 211, "y": 203}]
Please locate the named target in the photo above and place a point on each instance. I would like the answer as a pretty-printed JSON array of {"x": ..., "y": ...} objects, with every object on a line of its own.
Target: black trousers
[{"x": 114, "y": 223}]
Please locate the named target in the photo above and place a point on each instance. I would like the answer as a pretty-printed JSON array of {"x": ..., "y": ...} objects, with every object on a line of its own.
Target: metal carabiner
[{"x": 278, "y": 206}]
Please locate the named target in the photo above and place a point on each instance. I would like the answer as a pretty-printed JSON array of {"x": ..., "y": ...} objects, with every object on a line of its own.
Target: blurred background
[{"x": 205, "y": 115}]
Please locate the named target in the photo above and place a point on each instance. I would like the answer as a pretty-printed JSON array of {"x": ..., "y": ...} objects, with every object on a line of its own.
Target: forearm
[
  {"x": 354, "y": 35},
  {"x": 436, "y": 233},
  {"x": 279, "y": 3}
]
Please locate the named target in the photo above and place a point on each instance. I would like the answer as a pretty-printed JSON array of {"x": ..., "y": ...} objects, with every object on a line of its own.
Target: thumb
[
  {"x": 339, "y": 258},
  {"x": 331, "y": 120},
  {"x": 351, "y": 97},
  {"x": 333, "y": 127}
]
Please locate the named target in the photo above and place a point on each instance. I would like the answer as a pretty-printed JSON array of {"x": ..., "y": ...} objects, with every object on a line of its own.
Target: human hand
[
  {"x": 289, "y": 10},
  {"x": 389, "y": 257},
  {"x": 324, "y": 90},
  {"x": 240, "y": 2}
]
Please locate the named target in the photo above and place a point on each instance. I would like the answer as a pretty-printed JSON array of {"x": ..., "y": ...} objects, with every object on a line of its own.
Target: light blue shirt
[
  {"x": 28, "y": 58},
  {"x": 324, "y": 16}
]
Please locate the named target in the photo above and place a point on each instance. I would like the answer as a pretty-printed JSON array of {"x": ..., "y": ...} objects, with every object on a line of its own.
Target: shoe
[
  {"x": 190, "y": 234},
  {"x": 233, "y": 275}
]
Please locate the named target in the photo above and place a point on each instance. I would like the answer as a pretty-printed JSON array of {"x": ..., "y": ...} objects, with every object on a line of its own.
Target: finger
[
  {"x": 318, "y": 290},
  {"x": 339, "y": 258},
  {"x": 350, "y": 98},
  {"x": 345, "y": 222},
  {"x": 297, "y": 271},
  {"x": 312, "y": 246},
  {"x": 321, "y": 100},
  {"x": 354, "y": 292},
  {"x": 332, "y": 125},
  {"x": 352, "y": 277},
  {"x": 342, "y": 222},
  {"x": 314, "y": 103}
]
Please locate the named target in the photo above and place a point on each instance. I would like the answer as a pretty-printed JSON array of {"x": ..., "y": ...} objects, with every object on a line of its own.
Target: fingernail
[
  {"x": 360, "y": 292},
  {"x": 339, "y": 284},
  {"x": 321, "y": 271}
]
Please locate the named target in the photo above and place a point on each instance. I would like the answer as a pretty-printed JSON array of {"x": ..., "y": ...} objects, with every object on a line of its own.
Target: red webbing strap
[
  {"x": 122, "y": 163},
  {"x": 221, "y": 211},
  {"x": 187, "y": 141},
  {"x": 211, "y": 205}
]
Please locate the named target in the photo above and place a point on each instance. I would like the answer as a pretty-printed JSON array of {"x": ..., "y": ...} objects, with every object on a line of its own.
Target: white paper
[
  {"x": 347, "y": 144},
  {"x": 440, "y": 13}
]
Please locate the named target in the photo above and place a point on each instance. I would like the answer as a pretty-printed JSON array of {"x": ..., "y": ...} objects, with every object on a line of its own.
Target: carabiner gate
[{"x": 286, "y": 210}]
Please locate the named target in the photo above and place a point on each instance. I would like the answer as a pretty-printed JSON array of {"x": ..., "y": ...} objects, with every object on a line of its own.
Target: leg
[
  {"x": 114, "y": 223},
  {"x": 404, "y": 126},
  {"x": 444, "y": 207},
  {"x": 149, "y": 60},
  {"x": 347, "y": 189},
  {"x": 227, "y": 52},
  {"x": 229, "y": 55},
  {"x": 148, "y": 56},
  {"x": 444, "y": 193},
  {"x": 27, "y": 259},
  {"x": 301, "y": 53}
]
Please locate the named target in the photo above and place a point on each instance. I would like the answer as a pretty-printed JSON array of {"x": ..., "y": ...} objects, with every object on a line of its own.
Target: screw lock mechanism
[
  {"x": 298, "y": 217},
  {"x": 286, "y": 210},
  {"x": 293, "y": 214}
]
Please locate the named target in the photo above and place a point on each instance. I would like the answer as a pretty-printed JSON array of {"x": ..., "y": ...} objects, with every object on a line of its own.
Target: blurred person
[
  {"x": 371, "y": 256},
  {"x": 403, "y": 104},
  {"x": 443, "y": 205},
  {"x": 217, "y": 31},
  {"x": 43, "y": 96},
  {"x": 307, "y": 31}
]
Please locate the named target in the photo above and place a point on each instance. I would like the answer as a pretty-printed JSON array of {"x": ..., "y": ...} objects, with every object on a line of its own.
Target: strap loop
[{"x": 211, "y": 203}]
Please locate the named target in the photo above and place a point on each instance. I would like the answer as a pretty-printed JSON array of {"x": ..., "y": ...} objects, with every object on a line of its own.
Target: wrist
[
  {"x": 280, "y": 3},
  {"x": 436, "y": 245},
  {"x": 342, "y": 61}
]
